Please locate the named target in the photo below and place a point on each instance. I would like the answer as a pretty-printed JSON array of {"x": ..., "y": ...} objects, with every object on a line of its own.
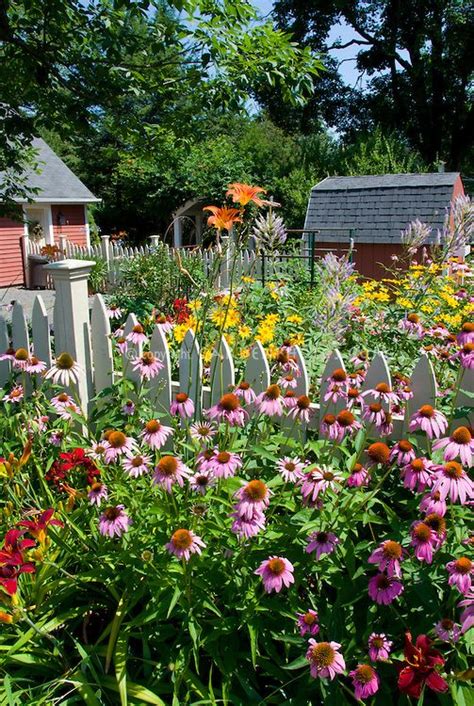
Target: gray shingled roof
[
  {"x": 55, "y": 181},
  {"x": 378, "y": 207}
]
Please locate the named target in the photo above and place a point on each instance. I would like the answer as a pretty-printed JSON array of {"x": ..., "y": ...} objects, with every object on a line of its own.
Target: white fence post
[
  {"x": 154, "y": 240},
  {"x": 25, "y": 250},
  {"x": 63, "y": 246},
  {"x": 71, "y": 318},
  {"x": 106, "y": 254}
]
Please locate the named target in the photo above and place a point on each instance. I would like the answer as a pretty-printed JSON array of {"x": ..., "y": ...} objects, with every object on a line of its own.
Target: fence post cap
[
  {"x": 70, "y": 269},
  {"x": 105, "y": 237}
]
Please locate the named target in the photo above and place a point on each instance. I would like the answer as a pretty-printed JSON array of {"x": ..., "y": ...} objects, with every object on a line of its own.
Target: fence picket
[
  {"x": 257, "y": 370},
  {"x": 302, "y": 382},
  {"x": 102, "y": 354},
  {"x": 5, "y": 365},
  {"x": 466, "y": 388},
  {"x": 133, "y": 349},
  {"x": 190, "y": 370},
  {"x": 20, "y": 337},
  {"x": 423, "y": 385},
  {"x": 40, "y": 331},
  {"x": 334, "y": 361},
  {"x": 222, "y": 371},
  {"x": 160, "y": 386}
]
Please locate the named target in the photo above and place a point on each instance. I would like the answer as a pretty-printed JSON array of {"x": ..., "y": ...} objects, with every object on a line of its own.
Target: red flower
[
  {"x": 12, "y": 562},
  {"x": 68, "y": 461},
  {"x": 182, "y": 310},
  {"x": 420, "y": 663},
  {"x": 9, "y": 575},
  {"x": 38, "y": 527}
]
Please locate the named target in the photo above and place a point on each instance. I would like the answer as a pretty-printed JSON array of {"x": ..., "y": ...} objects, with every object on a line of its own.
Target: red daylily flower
[
  {"x": 223, "y": 218},
  {"x": 38, "y": 527},
  {"x": 14, "y": 546},
  {"x": 420, "y": 667},
  {"x": 9, "y": 576}
]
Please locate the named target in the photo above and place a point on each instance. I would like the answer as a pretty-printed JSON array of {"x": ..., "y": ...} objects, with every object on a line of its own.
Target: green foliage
[
  {"x": 98, "y": 276},
  {"x": 380, "y": 153}
]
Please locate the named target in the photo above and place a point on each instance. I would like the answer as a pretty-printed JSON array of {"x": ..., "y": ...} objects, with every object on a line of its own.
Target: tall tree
[{"x": 419, "y": 60}]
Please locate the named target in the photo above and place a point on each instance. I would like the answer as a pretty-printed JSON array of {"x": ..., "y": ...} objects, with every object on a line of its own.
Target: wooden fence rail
[{"x": 87, "y": 336}]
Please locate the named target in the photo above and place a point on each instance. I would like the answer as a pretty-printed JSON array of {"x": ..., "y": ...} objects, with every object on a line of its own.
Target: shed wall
[
  {"x": 11, "y": 263},
  {"x": 75, "y": 224}
]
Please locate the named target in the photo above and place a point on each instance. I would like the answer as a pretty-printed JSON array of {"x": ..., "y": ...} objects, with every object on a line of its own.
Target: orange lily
[
  {"x": 222, "y": 218},
  {"x": 244, "y": 193}
]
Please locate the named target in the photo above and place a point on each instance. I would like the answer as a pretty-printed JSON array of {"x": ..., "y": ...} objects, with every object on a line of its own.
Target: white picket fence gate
[
  {"x": 86, "y": 335},
  {"x": 220, "y": 266}
]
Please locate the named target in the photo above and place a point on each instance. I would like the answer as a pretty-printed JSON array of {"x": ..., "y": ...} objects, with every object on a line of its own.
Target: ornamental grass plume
[{"x": 269, "y": 232}]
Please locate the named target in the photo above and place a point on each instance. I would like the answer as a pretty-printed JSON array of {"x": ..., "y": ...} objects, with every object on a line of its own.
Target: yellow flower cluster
[{"x": 266, "y": 328}]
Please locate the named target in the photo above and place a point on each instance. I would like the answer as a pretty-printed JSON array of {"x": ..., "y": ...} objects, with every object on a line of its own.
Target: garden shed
[
  {"x": 373, "y": 210},
  {"x": 58, "y": 207}
]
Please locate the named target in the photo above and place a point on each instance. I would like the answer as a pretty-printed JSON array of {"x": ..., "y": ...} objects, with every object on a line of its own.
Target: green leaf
[
  {"x": 120, "y": 661},
  {"x": 114, "y": 631},
  {"x": 174, "y": 600}
]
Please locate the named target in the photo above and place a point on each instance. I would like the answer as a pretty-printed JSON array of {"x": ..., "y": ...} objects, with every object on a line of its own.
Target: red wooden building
[
  {"x": 58, "y": 208},
  {"x": 373, "y": 210}
]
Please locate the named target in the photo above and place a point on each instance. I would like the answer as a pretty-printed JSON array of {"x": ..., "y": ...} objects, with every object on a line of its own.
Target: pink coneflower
[
  {"x": 412, "y": 325},
  {"x": 114, "y": 312},
  {"x": 56, "y": 438},
  {"x": 330, "y": 427},
  {"x": 97, "y": 451},
  {"x": 382, "y": 393},
  {"x": 448, "y": 630},
  {"x": 467, "y": 615},
  {"x": 360, "y": 358},
  {"x": 402, "y": 453},
  {"x": 202, "y": 431},
  {"x": 378, "y": 452},
  {"x": 155, "y": 434},
  {"x": 182, "y": 405},
  {"x": 164, "y": 323},
  {"x": 418, "y": 474},
  {"x": 147, "y": 364},
  {"x": 170, "y": 470},
  {"x": 224, "y": 464},
  {"x": 347, "y": 424},
  {"x": 117, "y": 444},
  {"x": 137, "y": 335},
  {"x": 365, "y": 681},
  {"x": 337, "y": 385},
  {"x": 122, "y": 344},
  {"x": 15, "y": 395},
  {"x": 128, "y": 408},
  {"x": 429, "y": 420},
  {"x": 114, "y": 521},
  {"x": 424, "y": 540},
  {"x": 386, "y": 428},
  {"x": 136, "y": 466},
  {"x": 276, "y": 572},
  {"x": 270, "y": 401},
  {"x": 204, "y": 458},
  {"x": 308, "y": 622},
  {"x": 384, "y": 589},
  {"x": 405, "y": 393},
  {"x": 432, "y": 503},
  {"x": 98, "y": 492},
  {"x": 321, "y": 543},
  {"x": 388, "y": 557},
  {"x": 291, "y": 469},
  {"x": 374, "y": 413},
  {"x": 245, "y": 529},
  {"x": 452, "y": 481},
  {"x": 20, "y": 359},
  {"x": 466, "y": 356},
  {"x": 34, "y": 366},
  {"x": 245, "y": 392},
  {"x": 201, "y": 481},
  {"x": 466, "y": 335},
  {"x": 320, "y": 480},
  {"x": 65, "y": 370},
  {"x": 64, "y": 404},
  {"x": 324, "y": 659},
  {"x": 289, "y": 399},
  {"x": 460, "y": 443},
  {"x": 183, "y": 543},
  {"x": 354, "y": 398},
  {"x": 460, "y": 572},
  {"x": 302, "y": 409},
  {"x": 8, "y": 355},
  {"x": 438, "y": 524},
  {"x": 287, "y": 382},
  {"x": 359, "y": 476},
  {"x": 379, "y": 647},
  {"x": 253, "y": 497},
  {"x": 228, "y": 410}
]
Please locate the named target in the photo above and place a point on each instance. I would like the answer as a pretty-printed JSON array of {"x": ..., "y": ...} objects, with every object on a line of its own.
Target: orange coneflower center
[
  {"x": 181, "y": 397},
  {"x": 345, "y": 418},
  {"x": 244, "y": 386},
  {"x": 436, "y": 522},
  {"x": 203, "y": 431},
  {"x": 329, "y": 419},
  {"x": 223, "y": 457},
  {"x": 404, "y": 445},
  {"x": 63, "y": 397},
  {"x": 289, "y": 393},
  {"x": 137, "y": 329},
  {"x": 468, "y": 348},
  {"x": 202, "y": 480},
  {"x": 418, "y": 465},
  {"x": 182, "y": 539},
  {"x": 161, "y": 319},
  {"x": 21, "y": 354},
  {"x": 99, "y": 449},
  {"x": 273, "y": 392},
  {"x": 256, "y": 490},
  {"x": 168, "y": 465},
  {"x": 339, "y": 375},
  {"x": 283, "y": 357},
  {"x": 447, "y": 624},
  {"x": 357, "y": 468},
  {"x": 111, "y": 513},
  {"x": 353, "y": 393},
  {"x": 309, "y": 618},
  {"x": 426, "y": 411},
  {"x": 153, "y": 426},
  {"x": 375, "y": 407},
  {"x": 413, "y": 318},
  {"x": 289, "y": 378},
  {"x": 463, "y": 565},
  {"x": 379, "y": 452},
  {"x": 17, "y": 392},
  {"x": 377, "y": 642},
  {"x": 461, "y": 435},
  {"x": 364, "y": 673},
  {"x": 422, "y": 532},
  {"x": 453, "y": 470},
  {"x": 382, "y": 387},
  {"x": 106, "y": 434},
  {"x": 468, "y": 327},
  {"x": 116, "y": 439},
  {"x": 96, "y": 487},
  {"x": 34, "y": 360},
  {"x": 290, "y": 466},
  {"x": 121, "y": 340},
  {"x": 323, "y": 654},
  {"x": 276, "y": 566},
  {"x": 65, "y": 361},
  {"x": 148, "y": 358},
  {"x": 392, "y": 550},
  {"x": 137, "y": 461},
  {"x": 303, "y": 402},
  {"x": 328, "y": 475},
  {"x": 208, "y": 454},
  {"x": 229, "y": 402}
]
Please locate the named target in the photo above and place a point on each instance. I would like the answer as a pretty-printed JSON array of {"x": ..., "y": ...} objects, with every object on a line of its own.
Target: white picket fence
[
  {"x": 87, "y": 336},
  {"x": 221, "y": 266}
]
